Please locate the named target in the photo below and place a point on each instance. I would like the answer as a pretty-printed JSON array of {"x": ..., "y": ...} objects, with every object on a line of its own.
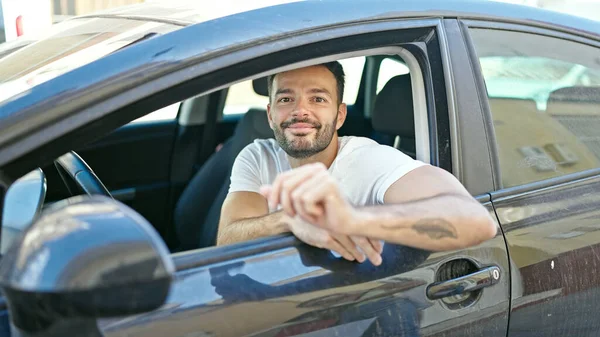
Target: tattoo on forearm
[{"x": 435, "y": 228}]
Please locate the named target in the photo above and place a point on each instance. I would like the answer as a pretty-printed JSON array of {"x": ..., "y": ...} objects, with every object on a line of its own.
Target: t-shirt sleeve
[
  {"x": 396, "y": 165},
  {"x": 245, "y": 173},
  {"x": 376, "y": 167}
]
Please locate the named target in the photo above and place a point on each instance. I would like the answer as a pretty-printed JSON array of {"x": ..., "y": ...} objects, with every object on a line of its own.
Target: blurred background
[{"x": 25, "y": 17}]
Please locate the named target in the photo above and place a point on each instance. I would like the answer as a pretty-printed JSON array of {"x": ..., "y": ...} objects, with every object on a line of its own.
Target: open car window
[{"x": 241, "y": 97}]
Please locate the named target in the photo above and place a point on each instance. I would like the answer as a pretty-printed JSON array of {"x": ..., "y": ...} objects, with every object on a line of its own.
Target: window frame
[
  {"x": 563, "y": 33},
  {"x": 112, "y": 112},
  {"x": 193, "y": 259},
  {"x": 109, "y": 113}
]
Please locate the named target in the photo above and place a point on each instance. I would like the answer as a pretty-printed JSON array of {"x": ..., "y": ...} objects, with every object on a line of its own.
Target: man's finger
[
  {"x": 273, "y": 199},
  {"x": 350, "y": 246},
  {"x": 303, "y": 171},
  {"x": 365, "y": 245},
  {"x": 308, "y": 208},
  {"x": 290, "y": 185},
  {"x": 337, "y": 247},
  {"x": 377, "y": 244}
]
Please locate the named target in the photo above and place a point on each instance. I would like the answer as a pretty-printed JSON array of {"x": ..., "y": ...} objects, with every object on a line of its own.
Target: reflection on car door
[
  {"x": 279, "y": 287},
  {"x": 549, "y": 157}
]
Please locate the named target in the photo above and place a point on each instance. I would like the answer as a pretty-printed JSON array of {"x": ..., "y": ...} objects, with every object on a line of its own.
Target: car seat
[
  {"x": 393, "y": 115},
  {"x": 198, "y": 209}
]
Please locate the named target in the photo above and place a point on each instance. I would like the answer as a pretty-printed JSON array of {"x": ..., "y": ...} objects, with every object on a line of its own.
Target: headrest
[
  {"x": 393, "y": 113},
  {"x": 576, "y": 94},
  {"x": 254, "y": 124},
  {"x": 260, "y": 86}
]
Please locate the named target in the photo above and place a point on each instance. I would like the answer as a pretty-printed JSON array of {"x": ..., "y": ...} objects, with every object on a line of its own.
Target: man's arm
[
  {"x": 427, "y": 208},
  {"x": 245, "y": 216}
]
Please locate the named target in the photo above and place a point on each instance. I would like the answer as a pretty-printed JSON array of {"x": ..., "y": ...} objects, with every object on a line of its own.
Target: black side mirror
[
  {"x": 83, "y": 259},
  {"x": 22, "y": 205}
]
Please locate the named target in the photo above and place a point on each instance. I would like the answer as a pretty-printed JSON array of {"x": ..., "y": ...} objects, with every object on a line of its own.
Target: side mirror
[
  {"x": 22, "y": 204},
  {"x": 84, "y": 258}
]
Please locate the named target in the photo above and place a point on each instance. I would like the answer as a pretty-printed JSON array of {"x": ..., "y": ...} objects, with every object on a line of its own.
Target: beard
[{"x": 302, "y": 146}]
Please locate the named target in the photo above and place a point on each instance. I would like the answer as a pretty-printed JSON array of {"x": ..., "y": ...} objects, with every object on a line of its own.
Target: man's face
[{"x": 304, "y": 112}]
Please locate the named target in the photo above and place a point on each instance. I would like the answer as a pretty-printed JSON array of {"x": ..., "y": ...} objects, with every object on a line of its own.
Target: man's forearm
[
  {"x": 438, "y": 223},
  {"x": 253, "y": 228}
]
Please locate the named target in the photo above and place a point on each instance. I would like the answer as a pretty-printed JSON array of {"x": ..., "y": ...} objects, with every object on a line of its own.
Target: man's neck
[{"x": 326, "y": 156}]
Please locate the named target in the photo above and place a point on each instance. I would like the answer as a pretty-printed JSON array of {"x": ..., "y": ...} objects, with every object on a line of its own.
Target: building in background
[
  {"x": 62, "y": 9},
  {"x": 20, "y": 17},
  {"x": 32, "y": 17}
]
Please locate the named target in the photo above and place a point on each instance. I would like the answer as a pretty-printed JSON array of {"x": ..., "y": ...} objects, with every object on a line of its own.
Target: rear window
[{"x": 69, "y": 45}]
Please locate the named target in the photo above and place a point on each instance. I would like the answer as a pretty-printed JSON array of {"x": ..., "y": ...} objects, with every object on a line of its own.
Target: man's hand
[
  {"x": 312, "y": 198},
  {"x": 311, "y": 193},
  {"x": 350, "y": 248}
]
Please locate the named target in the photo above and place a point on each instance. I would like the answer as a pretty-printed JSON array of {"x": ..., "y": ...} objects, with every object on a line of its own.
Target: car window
[
  {"x": 66, "y": 46},
  {"x": 544, "y": 96},
  {"x": 164, "y": 114},
  {"x": 241, "y": 97},
  {"x": 388, "y": 69}
]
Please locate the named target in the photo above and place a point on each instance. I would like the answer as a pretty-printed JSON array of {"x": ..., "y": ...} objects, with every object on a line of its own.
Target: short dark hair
[{"x": 336, "y": 69}]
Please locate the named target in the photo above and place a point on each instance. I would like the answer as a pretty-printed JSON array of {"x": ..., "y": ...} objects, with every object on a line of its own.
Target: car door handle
[{"x": 483, "y": 278}]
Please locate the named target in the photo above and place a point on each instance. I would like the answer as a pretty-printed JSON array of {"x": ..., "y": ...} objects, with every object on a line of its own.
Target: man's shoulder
[
  {"x": 369, "y": 149},
  {"x": 352, "y": 144}
]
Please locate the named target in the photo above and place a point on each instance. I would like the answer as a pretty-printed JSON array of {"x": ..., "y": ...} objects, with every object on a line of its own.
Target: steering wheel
[{"x": 78, "y": 176}]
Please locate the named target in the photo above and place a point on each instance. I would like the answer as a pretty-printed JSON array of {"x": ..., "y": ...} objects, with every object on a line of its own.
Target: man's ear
[{"x": 341, "y": 116}]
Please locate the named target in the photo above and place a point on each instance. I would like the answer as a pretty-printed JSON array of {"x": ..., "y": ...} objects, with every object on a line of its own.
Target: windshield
[{"x": 70, "y": 44}]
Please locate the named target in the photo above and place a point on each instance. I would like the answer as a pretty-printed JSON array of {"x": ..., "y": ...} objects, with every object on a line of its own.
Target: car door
[
  {"x": 278, "y": 286},
  {"x": 544, "y": 97}
]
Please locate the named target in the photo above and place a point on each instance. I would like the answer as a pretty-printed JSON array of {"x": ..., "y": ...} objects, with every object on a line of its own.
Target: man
[{"x": 346, "y": 194}]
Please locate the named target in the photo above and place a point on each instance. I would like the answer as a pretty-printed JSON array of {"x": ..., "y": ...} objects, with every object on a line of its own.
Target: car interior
[{"x": 175, "y": 170}]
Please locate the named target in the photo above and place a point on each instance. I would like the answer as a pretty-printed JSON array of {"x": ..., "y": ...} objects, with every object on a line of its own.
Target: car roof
[
  {"x": 230, "y": 26},
  {"x": 193, "y": 11}
]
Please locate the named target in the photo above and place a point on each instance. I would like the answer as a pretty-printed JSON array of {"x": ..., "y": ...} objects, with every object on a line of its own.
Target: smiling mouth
[{"x": 301, "y": 128}]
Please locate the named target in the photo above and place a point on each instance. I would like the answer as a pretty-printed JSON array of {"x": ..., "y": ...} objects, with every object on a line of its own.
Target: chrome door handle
[{"x": 484, "y": 278}]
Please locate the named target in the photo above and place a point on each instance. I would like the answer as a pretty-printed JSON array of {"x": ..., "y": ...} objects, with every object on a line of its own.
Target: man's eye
[
  {"x": 285, "y": 100},
  {"x": 320, "y": 100}
]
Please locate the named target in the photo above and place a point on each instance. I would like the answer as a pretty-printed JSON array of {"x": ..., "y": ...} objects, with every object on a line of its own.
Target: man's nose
[{"x": 301, "y": 108}]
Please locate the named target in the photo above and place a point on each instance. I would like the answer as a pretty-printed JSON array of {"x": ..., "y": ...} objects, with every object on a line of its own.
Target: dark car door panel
[
  {"x": 553, "y": 237},
  {"x": 280, "y": 287}
]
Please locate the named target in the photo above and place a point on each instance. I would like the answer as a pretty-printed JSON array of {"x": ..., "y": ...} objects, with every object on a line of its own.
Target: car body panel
[
  {"x": 278, "y": 286},
  {"x": 549, "y": 226},
  {"x": 553, "y": 236},
  {"x": 283, "y": 291}
]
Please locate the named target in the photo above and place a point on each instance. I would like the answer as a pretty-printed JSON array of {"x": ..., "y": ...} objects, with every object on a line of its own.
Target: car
[{"x": 118, "y": 131}]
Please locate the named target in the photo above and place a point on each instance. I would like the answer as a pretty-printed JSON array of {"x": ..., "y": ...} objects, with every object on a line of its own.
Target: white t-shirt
[{"x": 363, "y": 168}]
